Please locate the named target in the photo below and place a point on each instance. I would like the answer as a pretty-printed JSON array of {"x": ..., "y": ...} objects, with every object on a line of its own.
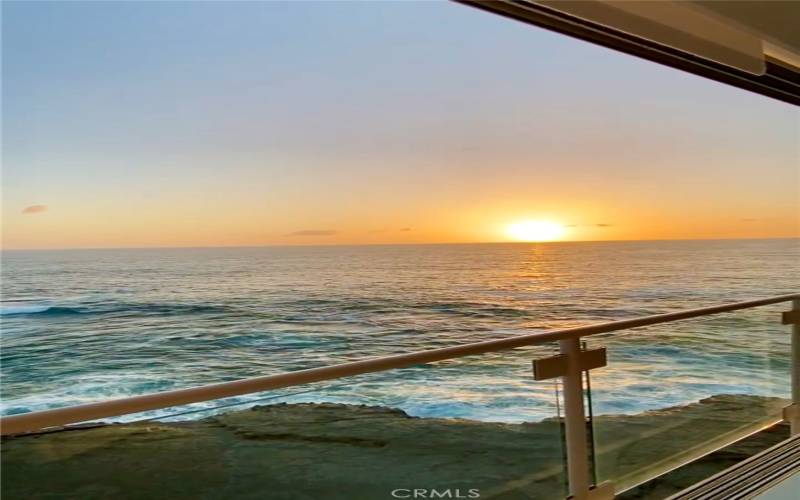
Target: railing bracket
[
  {"x": 602, "y": 491},
  {"x": 791, "y": 318},
  {"x": 556, "y": 366},
  {"x": 791, "y": 412}
]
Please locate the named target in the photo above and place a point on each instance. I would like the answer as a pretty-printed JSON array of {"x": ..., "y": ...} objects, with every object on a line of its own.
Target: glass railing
[
  {"x": 471, "y": 426},
  {"x": 675, "y": 392}
]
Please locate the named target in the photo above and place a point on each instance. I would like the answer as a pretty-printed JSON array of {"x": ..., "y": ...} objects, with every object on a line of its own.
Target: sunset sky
[{"x": 205, "y": 124}]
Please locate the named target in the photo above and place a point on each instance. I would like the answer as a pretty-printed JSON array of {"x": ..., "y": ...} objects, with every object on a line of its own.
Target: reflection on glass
[{"x": 727, "y": 377}]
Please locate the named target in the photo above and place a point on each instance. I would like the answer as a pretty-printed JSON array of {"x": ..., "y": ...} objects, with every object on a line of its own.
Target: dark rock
[{"x": 333, "y": 451}]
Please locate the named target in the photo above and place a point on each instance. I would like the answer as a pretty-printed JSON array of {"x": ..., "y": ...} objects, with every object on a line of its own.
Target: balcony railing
[{"x": 570, "y": 365}]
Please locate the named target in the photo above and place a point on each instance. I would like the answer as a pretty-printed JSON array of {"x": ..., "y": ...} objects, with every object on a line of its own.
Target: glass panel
[
  {"x": 473, "y": 426},
  {"x": 675, "y": 392}
]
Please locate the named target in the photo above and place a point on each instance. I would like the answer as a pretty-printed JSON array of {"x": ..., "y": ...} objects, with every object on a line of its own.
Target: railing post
[
  {"x": 570, "y": 365},
  {"x": 794, "y": 409},
  {"x": 575, "y": 420}
]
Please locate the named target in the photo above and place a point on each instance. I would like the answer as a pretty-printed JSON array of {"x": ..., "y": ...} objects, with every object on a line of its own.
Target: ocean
[{"x": 81, "y": 326}]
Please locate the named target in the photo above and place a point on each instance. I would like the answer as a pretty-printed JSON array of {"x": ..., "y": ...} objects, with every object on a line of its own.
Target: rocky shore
[{"x": 333, "y": 451}]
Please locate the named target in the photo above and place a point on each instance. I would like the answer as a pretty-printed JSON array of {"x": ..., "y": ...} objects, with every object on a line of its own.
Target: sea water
[{"x": 81, "y": 326}]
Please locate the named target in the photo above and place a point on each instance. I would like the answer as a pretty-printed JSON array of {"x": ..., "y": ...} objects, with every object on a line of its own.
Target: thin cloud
[
  {"x": 34, "y": 209},
  {"x": 596, "y": 224},
  {"x": 404, "y": 229},
  {"x": 315, "y": 232}
]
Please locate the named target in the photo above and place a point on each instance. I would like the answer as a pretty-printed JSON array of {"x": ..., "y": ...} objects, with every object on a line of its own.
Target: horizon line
[{"x": 290, "y": 245}]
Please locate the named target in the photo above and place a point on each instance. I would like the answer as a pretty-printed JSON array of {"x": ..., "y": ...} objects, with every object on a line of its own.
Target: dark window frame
[{"x": 778, "y": 82}]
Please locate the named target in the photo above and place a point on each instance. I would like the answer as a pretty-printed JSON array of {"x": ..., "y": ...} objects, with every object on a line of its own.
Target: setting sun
[{"x": 536, "y": 230}]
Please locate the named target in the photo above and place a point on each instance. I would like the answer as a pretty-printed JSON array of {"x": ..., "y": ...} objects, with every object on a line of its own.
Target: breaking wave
[{"x": 6, "y": 310}]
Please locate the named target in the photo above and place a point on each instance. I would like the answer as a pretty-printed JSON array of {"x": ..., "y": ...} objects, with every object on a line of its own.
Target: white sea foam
[{"x": 7, "y": 308}]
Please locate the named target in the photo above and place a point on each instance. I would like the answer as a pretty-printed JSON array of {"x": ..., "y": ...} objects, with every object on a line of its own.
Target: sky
[{"x": 149, "y": 124}]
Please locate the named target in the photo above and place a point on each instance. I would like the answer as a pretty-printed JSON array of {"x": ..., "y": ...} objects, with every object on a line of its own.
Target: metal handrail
[{"x": 34, "y": 421}]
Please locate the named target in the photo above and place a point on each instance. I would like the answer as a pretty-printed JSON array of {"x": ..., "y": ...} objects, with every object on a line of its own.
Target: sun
[{"x": 535, "y": 230}]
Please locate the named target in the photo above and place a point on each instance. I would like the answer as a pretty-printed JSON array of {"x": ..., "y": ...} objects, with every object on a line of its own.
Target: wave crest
[
  {"x": 6, "y": 310},
  {"x": 165, "y": 309}
]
